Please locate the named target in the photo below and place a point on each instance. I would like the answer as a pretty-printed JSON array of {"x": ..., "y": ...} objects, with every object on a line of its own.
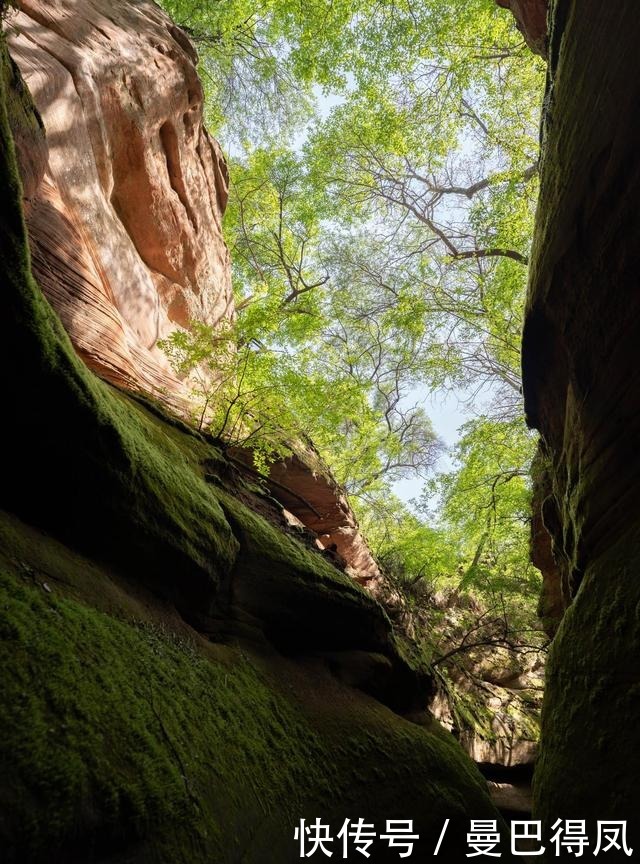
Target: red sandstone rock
[
  {"x": 124, "y": 211},
  {"x": 323, "y": 507},
  {"x": 125, "y": 227},
  {"x": 531, "y": 18},
  {"x": 307, "y": 492}
]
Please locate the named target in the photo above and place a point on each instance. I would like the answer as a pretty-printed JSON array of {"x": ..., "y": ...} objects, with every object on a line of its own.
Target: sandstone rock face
[
  {"x": 125, "y": 225},
  {"x": 307, "y": 492},
  {"x": 499, "y": 722},
  {"x": 324, "y": 508},
  {"x": 490, "y": 699},
  {"x": 581, "y": 366},
  {"x": 124, "y": 202},
  {"x": 531, "y": 18}
]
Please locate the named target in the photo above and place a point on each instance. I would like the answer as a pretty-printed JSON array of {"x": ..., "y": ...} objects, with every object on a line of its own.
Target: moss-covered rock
[
  {"x": 75, "y": 447},
  {"x": 125, "y": 734},
  {"x": 589, "y": 759},
  {"x": 581, "y": 367}
]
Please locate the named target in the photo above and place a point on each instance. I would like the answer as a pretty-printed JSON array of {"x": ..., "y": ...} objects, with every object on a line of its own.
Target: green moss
[
  {"x": 26, "y": 122},
  {"x": 112, "y": 732},
  {"x": 580, "y": 376},
  {"x": 592, "y": 696},
  {"x": 133, "y": 480},
  {"x": 299, "y": 596},
  {"x": 121, "y": 735},
  {"x": 125, "y": 734},
  {"x": 471, "y": 713}
]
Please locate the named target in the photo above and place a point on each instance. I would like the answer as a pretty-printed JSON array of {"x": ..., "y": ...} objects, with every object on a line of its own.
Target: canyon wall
[
  {"x": 581, "y": 366},
  {"x": 125, "y": 226},
  {"x": 124, "y": 197},
  {"x": 181, "y": 681}
]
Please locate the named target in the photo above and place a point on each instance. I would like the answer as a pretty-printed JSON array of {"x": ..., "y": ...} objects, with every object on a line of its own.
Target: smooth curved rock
[
  {"x": 323, "y": 507},
  {"x": 125, "y": 227},
  {"x": 306, "y": 490}
]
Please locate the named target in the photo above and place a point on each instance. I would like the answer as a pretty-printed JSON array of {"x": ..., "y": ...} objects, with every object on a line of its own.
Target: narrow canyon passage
[{"x": 260, "y": 601}]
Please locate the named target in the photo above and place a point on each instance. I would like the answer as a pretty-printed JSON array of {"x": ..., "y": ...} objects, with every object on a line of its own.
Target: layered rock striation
[
  {"x": 124, "y": 197},
  {"x": 125, "y": 224},
  {"x": 306, "y": 490}
]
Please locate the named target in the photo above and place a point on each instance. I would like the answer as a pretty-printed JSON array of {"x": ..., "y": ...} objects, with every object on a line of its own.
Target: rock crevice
[{"x": 127, "y": 734}]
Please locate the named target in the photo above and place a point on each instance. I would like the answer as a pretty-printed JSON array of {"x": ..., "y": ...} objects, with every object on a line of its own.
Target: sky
[
  {"x": 447, "y": 415},
  {"x": 444, "y": 407}
]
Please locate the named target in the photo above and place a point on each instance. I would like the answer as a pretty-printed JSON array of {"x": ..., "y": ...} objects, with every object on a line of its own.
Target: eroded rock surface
[
  {"x": 531, "y": 18},
  {"x": 581, "y": 364},
  {"x": 318, "y": 501},
  {"x": 125, "y": 224},
  {"x": 307, "y": 492},
  {"x": 492, "y": 702},
  {"x": 124, "y": 201}
]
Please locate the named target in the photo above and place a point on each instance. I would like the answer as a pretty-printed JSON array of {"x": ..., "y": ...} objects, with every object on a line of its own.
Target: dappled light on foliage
[{"x": 383, "y": 177}]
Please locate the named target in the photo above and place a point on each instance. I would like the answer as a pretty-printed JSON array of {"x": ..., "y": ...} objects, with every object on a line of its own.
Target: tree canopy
[{"x": 383, "y": 161}]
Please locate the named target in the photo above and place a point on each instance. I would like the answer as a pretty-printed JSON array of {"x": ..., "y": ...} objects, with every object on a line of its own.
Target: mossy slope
[
  {"x": 129, "y": 736},
  {"x": 125, "y": 734}
]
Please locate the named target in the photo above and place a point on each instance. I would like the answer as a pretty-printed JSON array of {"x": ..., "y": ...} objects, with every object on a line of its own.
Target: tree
[
  {"x": 380, "y": 242},
  {"x": 485, "y": 502},
  {"x": 457, "y": 204}
]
